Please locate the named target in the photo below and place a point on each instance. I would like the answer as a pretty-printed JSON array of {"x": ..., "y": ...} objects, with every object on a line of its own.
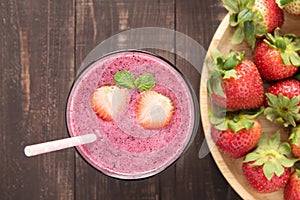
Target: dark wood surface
[{"x": 42, "y": 45}]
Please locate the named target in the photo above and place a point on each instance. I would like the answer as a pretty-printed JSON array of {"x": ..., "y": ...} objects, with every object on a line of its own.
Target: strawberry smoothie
[{"x": 124, "y": 149}]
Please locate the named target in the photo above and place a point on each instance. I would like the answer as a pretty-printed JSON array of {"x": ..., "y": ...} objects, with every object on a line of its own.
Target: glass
[{"x": 123, "y": 149}]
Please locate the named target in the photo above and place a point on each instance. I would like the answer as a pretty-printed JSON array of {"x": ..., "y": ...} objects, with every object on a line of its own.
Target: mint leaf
[
  {"x": 145, "y": 82},
  {"x": 124, "y": 79}
]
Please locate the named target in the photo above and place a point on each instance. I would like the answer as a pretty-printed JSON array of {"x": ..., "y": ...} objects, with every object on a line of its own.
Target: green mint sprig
[{"x": 126, "y": 79}]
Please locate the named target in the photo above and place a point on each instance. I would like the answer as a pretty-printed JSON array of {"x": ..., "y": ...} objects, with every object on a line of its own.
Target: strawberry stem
[{"x": 271, "y": 155}]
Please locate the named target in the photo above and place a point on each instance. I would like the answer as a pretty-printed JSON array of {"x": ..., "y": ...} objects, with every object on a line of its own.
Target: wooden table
[{"x": 42, "y": 44}]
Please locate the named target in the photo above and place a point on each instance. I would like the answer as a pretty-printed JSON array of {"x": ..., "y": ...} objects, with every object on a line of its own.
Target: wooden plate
[{"x": 232, "y": 168}]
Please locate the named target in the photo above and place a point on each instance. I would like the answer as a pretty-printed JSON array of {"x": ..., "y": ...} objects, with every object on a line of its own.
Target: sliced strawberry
[
  {"x": 154, "y": 110},
  {"x": 107, "y": 101}
]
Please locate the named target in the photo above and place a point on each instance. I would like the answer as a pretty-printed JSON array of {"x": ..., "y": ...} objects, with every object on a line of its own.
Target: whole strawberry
[
  {"x": 283, "y": 102},
  {"x": 292, "y": 189},
  {"x": 294, "y": 140},
  {"x": 253, "y": 18},
  {"x": 267, "y": 169},
  {"x": 276, "y": 57},
  {"x": 237, "y": 133},
  {"x": 235, "y": 82},
  {"x": 291, "y": 6}
]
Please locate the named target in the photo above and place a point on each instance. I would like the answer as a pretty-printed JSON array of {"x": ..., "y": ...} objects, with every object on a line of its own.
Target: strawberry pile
[{"x": 242, "y": 90}]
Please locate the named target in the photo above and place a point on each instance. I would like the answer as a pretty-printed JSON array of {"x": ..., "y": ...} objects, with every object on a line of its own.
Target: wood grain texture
[
  {"x": 42, "y": 45},
  {"x": 191, "y": 18},
  {"x": 37, "y": 63}
]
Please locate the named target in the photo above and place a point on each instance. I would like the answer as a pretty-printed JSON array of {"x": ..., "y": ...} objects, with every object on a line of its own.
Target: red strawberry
[
  {"x": 276, "y": 57},
  {"x": 235, "y": 82},
  {"x": 283, "y": 102},
  {"x": 107, "y": 101},
  {"x": 292, "y": 189},
  {"x": 237, "y": 134},
  {"x": 271, "y": 12},
  {"x": 154, "y": 110},
  {"x": 267, "y": 169},
  {"x": 294, "y": 140},
  {"x": 253, "y": 18},
  {"x": 291, "y": 6}
]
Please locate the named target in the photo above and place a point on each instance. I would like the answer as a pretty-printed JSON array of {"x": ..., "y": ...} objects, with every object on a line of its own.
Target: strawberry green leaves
[
  {"x": 246, "y": 20},
  {"x": 235, "y": 121},
  {"x": 271, "y": 155},
  {"x": 288, "y": 45},
  {"x": 282, "y": 109},
  {"x": 249, "y": 29},
  {"x": 126, "y": 79},
  {"x": 238, "y": 36},
  {"x": 245, "y": 15},
  {"x": 295, "y": 135},
  {"x": 226, "y": 64},
  {"x": 282, "y": 3},
  {"x": 231, "y": 6},
  {"x": 222, "y": 68}
]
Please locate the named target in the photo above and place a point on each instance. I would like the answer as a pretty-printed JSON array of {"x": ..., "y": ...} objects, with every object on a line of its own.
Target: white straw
[{"x": 55, "y": 145}]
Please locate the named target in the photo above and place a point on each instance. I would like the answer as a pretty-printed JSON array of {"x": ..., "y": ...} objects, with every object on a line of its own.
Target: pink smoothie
[{"x": 123, "y": 148}]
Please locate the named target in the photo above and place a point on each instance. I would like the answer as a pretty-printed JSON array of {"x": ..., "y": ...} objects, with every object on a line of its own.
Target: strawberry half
[
  {"x": 277, "y": 57},
  {"x": 237, "y": 133},
  {"x": 292, "y": 189},
  {"x": 294, "y": 140},
  {"x": 253, "y": 18},
  {"x": 107, "y": 101},
  {"x": 235, "y": 82},
  {"x": 154, "y": 110},
  {"x": 267, "y": 168},
  {"x": 283, "y": 102}
]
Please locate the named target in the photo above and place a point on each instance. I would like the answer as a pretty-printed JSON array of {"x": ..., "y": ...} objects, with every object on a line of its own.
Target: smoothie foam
[{"x": 123, "y": 148}]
